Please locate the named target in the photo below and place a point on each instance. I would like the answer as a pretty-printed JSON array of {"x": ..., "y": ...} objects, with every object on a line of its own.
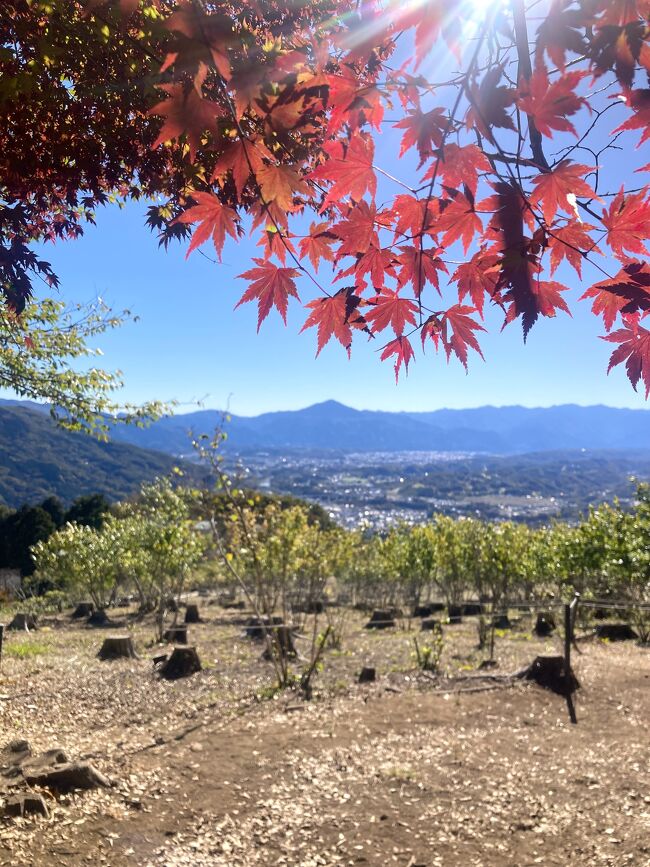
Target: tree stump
[
  {"x": 99, "y": 619},
  {"x": 183, "y": 662},
  {"x": 192, "y": 614},
  {"x": 550, "y": 672},
  {"x": 431, "y": 625},
  {"x": 472, "y": 609},
  {"x": 176, "y": 635},
  {"x": 455, "y": 613},
  {"x": 26, "y": 804},
  {"x": 545, "y": 624},
  {"x": 367, "y": 675},
  {"x": 66, "y": 776},
  {"x": 256, "y": 626},
  {"x": 282, "y": 639},
  {"x": 83, "y": 610},
  {"x": 381, "y": 620},
  {"x": 310, "y": 606},
  {"x": 613, "y": 632},
  {"x": 501, "y": 621},
  {"x": 117, "y": 647},
  {"x": 23, "y": 623}
]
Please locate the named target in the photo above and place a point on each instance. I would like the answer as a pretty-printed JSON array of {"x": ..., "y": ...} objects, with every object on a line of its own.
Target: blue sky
[{"x": 190, "y": 345}]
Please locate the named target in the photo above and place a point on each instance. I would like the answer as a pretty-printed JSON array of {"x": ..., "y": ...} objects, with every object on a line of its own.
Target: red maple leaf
[
  {"x": 639, "y": 102},
  {"x": 388, "y": 309},
  {"x": 627, "y": 292},
  {"x": 463, "y": 332},
  {"x": 489, "y": 102},
  {"x": 201, "y": 39},
  {"x": 410, "y": 214},
  {"x": 401, "y": 348},
  {"x": 460, "y": 166},
  {"x": 332, "y": 315},
  {"x": 551, "y": 103},
  {"x": 276, "y": 243},
  {"x": 215, "y": 219},
  {"x": 357, "y": 231},
  {"x": 418, "y": 267},
  {"x": 619, "y": 43},
  {"x": 318, "y": 244},
  {"x": 270, "y": 287},
  {"x": 238, "y": 158},
  {"x": 352, "y": 102},
  {"x": 628, "y": 223},
  {"x": 430, "y": 20},
  {"x": 559, "y": 189},
  {"x": 349, "y": 170},
  {"x": 280, "y": 184},
  {"x": 560, "y": 32},
  {"x": 376, "y": 261},
  {"x": 424, "y": 130},
  {"x": 459, "y": 220},
  {"x": 186, "y": 112},
  {"x": 634, "y": 350},
  {"x": 477, "y": 278},
  {"x": 533, "y": 297},
  {"x": 571, "y": 242}
]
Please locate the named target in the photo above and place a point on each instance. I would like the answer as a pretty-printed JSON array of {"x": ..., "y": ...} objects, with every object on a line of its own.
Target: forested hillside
[{"x": 41, "y": 460}]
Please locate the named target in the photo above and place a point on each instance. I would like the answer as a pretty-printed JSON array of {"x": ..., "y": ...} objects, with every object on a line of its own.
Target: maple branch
[
  {"x": 394, "y": 179},
  {"x": 526, "y": 71},
  {"x": 450, "y": 121}
]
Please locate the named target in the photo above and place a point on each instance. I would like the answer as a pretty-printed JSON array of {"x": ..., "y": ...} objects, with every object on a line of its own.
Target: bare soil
[{"x": 210, "y": 770}]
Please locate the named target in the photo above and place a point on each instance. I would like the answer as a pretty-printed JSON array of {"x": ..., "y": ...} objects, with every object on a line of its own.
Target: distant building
[{"x": 9, "y": 582}]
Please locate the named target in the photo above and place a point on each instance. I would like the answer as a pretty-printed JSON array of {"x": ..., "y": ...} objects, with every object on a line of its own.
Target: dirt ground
[{"x": 409, "y": 771}]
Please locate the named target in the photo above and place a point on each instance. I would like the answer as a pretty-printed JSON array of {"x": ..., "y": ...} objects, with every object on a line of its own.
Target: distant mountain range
[
  {"x": 331, "y": 425},
  {"x": 39, "y": 459}
]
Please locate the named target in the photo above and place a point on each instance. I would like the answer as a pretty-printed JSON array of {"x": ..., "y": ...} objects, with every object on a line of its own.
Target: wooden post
[{"x": 568, "y": 632}]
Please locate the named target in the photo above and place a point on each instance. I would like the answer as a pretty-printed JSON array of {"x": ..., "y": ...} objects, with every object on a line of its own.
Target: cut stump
[
  {"x": 192, "y": 614},
  {"x": 176, "y": 635},
  {"x": 431, "y": 625},
  {"x": 381, "y": 620},
  {"x": 614, "y": 632},
  {"x": 183, "y": 662},
  {"x": 256, "y": 626},
  {"x": 282, "y": 639},
  {"x": 26, "y": 804},
  {"x": 23, "y": 623},
  {"x": 551, "y": 673},
  {"x": 99, "y": 619},
  {"x": 501, "y": 621},
  {"x": 545, "y": 624},
  {"x": 83, "y": 610},
  {"x": 66, "y": 777},
  {"x": 117, "y": 647},
  {"x": 367, "y": 675}
]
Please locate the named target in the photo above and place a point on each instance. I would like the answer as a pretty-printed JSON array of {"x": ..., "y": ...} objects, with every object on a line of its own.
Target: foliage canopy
[{"x": 451, "y": 157}]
